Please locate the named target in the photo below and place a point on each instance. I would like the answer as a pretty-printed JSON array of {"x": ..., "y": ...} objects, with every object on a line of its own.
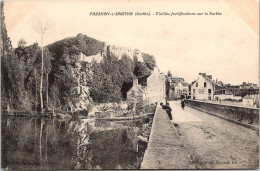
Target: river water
[{"x": 42, "y": 143}]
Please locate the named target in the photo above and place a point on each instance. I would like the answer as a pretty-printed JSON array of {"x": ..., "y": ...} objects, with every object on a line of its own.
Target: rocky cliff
[{"x": 87, "y": 69}]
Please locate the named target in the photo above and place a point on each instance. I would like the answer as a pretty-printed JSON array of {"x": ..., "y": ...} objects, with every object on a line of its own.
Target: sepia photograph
[{"x": 129, "y": 84}]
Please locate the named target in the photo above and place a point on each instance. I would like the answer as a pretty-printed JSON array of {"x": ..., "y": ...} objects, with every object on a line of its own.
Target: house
[
  {"x": 137, "y": 92},
  {"x": 148, "y": 89},
  {"x": 235, "y": 89},
  {"x": 240, "y": 91},
  {"x": 204, "y": 88},
  {"x": 179, "y": 89},
  {"x": 156, "y": 86},
  {"x": 249, "y": 89},
  {"x": 176, "y": 88},
  {"x": 222, "y": 92}
]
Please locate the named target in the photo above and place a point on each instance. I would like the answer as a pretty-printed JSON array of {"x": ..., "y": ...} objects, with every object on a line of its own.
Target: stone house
[
  {"x": 156, "y": 86},
  {"x": 152, "y": 88},
  {"x": 137, "y": 92}
]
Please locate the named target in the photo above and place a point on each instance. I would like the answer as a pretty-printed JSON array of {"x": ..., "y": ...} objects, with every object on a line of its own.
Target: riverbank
[{"x": 109, "y": 112}]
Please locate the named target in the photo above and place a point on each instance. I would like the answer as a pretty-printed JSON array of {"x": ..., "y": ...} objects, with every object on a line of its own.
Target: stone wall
[
  {"x": 119, "y": 51},
  {"x": 227, "y": 111}
]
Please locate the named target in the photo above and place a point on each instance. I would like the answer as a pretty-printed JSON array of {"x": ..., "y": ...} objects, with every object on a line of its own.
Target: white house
[{"x": 204, "y": 88}]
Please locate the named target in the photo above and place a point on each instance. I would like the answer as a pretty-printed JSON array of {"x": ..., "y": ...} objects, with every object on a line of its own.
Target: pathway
[{"x": 165, "y": 148}]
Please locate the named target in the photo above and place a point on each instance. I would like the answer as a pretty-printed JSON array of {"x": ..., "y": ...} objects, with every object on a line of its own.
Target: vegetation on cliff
[{"x": 65, "y": 76}]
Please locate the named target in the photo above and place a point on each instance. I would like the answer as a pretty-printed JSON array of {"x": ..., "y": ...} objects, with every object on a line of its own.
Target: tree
[
  {"x": 5, "y": 50},
  {"x": 42, "y": 26},
  {"x": 47, "y": 70},
  {"x": 21, "y": 42},
  {"x": 169, "y": 74},
  {"x": 149, "y": 61},
  {"x": 141, "y": 70},
  {"x": 12, "y": 86}
]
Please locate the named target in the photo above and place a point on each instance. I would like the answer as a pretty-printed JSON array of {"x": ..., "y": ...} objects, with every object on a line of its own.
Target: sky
[{"x": 225, "y": 46}]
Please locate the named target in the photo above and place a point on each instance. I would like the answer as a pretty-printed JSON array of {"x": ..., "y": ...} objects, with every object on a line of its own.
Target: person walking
[
  {"x": 168, "y": 109},
  {"x": 183, "y": 103}
]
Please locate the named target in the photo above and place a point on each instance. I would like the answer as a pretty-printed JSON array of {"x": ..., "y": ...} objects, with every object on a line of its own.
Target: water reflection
[{"x": 41, "y": 143}]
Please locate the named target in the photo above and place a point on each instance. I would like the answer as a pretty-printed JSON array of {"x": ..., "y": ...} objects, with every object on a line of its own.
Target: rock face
[
  {"x": 82, "y": 73},
  {"x": 74, "y": 61}
]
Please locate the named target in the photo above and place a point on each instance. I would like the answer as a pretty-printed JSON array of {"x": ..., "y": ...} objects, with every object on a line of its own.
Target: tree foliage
[
  {"x": 21, "y": 42},
  {"x": 149, "y": 61},
  {"x": 109, "y": 76},
  {"x": 21, "y": 71},
  {"x": 141, "y": 69},
  {"x": 169, "y": 73}
]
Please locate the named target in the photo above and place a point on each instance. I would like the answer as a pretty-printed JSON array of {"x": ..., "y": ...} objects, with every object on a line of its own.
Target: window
[
  {"x": 209, "y": 91},
  {"x": 205, "y": 84},
  {"x": 194, "y": 91},
  {"x": 209, "y": 97},
  {"x": 197, "y": 84},
  {"x": 223, "y": 92}
]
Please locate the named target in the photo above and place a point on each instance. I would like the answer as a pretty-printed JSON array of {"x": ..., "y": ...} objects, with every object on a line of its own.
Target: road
[{"x": 214, "y": 143}]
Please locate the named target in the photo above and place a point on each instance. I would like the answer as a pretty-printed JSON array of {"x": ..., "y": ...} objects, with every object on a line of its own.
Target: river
[{"x": 43, "y": 143}]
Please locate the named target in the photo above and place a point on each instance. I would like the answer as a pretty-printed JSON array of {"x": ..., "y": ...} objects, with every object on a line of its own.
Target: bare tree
[{"x": 42, "y": 26}]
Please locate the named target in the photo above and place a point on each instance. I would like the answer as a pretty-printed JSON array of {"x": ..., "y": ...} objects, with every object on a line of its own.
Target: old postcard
[{"x": 127, "y": 84}]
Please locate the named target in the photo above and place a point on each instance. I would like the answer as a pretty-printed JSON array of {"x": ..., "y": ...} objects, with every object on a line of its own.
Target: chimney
[
  {"x": 135, "y": 81},
  {"x": 203, "y": 74},
  {"x": 156, "y": 69}
]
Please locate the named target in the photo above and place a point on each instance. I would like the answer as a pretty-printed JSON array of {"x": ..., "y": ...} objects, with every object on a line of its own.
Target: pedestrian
[
  {"x": 183, "y": 103},
  {"x": 168, "y": 109}
]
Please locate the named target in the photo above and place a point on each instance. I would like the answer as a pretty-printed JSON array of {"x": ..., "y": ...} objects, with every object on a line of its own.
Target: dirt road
[{"x": 214, "y": 143}]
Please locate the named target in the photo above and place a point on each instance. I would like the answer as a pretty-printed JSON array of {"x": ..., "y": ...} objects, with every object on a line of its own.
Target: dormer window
[{"x": 205, "y": 84}]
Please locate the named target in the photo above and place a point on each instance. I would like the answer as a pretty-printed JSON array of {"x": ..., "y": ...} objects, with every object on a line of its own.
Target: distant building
[
  {"x": 235, "y": 89},
  {"x": 204, "y": 88},
  {"x": 245, "y": 89},
  {"x": 176, "y": 87},
  {"x": 222, "y": 92},
  {"x": 248, "y": 101}
]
